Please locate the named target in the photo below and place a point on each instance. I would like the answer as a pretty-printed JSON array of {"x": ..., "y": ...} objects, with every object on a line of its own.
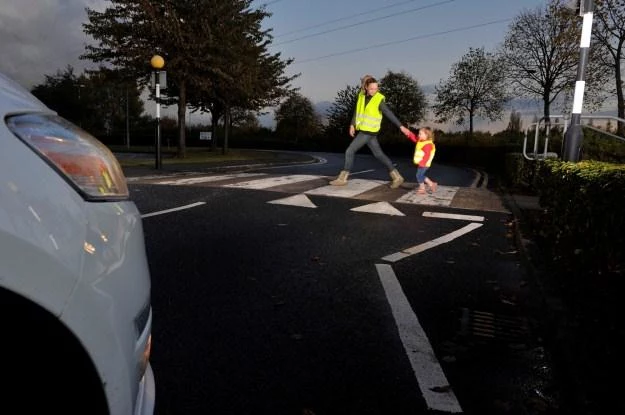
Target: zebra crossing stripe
[
  {"x": 272, "y": 182},
  {"x": 443, "y": 197},
  {"x": 207, "y": 179},
  {"x": 354, "y": 187}
]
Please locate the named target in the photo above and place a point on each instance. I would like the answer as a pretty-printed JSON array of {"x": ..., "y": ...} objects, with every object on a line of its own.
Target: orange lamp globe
[{"x": 157, "y": 62}]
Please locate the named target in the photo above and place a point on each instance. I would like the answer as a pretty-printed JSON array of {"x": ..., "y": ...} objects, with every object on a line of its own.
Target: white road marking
[
  {"x": 272, "y": 181},
  {"x": 297, "y": 200},
  {"x": 207, "y": 179},
  {"x": 453, "y": 216},
  {"x": 155, "y": 176},
  {"x": 162, "y": 212},
  {"x": 361, "y": 172},
  {"x": 475, "y": 181},
  {"x": 425, "y": 366},
  {"x": 354, "y": 187},
  {"x": 431, "y": 244},
  {"x": 320, "y": 160},
  {"x": 383, "y": 208},
  {"x": 442, "y": 197}
]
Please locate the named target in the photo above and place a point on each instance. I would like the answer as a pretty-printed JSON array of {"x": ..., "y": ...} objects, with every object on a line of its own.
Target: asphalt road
[{"x": 262, "y": 307}]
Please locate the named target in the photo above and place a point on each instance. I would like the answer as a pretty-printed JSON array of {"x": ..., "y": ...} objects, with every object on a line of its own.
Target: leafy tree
[
  {"x": 610, "y": 35},
  {"x": 61, "y": 92},
  {"x": 541, "y": 52},
  {"x": 296, "y": 118},
  {"x": 476, "y": 87},
  {"x": 243, "y": 75},
  {"x": 207, "y": 45},
  {"x": 97, "y": 101},
  {"x": 244, "y": 120},
  {"x": 341, "y": 112},
  {"x": 405, "y": 98}
]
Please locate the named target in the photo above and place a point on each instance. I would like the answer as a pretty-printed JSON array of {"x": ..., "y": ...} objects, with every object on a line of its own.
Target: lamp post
[{"x": 157, "y": 63}]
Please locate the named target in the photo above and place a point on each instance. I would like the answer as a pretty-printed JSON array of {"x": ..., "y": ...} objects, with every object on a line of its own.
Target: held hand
[
  {"x": 408, "y": 134},
  {"x": 352, "y": 130}
]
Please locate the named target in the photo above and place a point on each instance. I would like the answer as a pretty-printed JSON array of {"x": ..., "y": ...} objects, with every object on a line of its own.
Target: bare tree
[
  {"x": 541, "y": 52},
  {"x": 476, "y": 87},
  {"x": 610, "y": 35}
]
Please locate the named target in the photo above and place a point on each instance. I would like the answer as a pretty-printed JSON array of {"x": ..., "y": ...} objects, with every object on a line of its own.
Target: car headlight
[{"x": 81, "y": 159}]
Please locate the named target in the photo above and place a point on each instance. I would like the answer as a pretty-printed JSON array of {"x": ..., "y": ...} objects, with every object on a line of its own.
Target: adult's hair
[{"x": 365, "y": 81}]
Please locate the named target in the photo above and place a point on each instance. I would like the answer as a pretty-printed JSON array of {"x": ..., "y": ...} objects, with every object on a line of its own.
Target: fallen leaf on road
[{"x": 441, "y": 389}]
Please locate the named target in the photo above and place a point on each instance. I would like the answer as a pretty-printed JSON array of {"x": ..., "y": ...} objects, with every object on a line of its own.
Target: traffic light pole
[{"x": 574, "y": 135}]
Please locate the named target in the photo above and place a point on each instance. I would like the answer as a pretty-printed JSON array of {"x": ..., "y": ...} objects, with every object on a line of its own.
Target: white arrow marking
[
  {"x": 379, "y": 207},
  {"x": 297, "y": 200},
  {"x": 424, "y": 364},
  {"x": 431, "y": 244}
]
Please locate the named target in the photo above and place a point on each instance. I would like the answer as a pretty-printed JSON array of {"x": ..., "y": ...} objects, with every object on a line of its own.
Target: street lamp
[{"x": 157, "y": 63}]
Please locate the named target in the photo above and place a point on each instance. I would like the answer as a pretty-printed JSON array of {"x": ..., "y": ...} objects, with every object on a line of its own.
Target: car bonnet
[{"x": 15, "y": 99}]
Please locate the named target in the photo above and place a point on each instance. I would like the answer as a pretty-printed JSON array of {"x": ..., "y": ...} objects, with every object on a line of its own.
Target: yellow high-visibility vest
[
  {"x": 419, "y": 153},
  {"x": 369, "y": 117}
]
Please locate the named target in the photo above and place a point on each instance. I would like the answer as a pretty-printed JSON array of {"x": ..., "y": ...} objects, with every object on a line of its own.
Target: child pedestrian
[{"x": 423, "y": 156}]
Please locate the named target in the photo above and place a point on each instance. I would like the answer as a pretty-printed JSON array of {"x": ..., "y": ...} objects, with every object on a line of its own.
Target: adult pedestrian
[{"x": 365, "y": 126}]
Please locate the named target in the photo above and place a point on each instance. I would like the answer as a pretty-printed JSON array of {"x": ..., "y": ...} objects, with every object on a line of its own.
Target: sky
[{"x": 333, "y": 42}]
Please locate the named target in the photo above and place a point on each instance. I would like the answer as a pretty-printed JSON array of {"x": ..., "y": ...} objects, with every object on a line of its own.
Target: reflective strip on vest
[{"x": 369, "y": 117}]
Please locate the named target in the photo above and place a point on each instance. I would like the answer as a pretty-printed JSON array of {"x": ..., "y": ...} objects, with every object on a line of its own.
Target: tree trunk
[
  {"x": 182, "y": 109},
  {"x": 224, "y": 148},
  {"x": 214, "y": 124},
  {"x": 620, "y": 101}
]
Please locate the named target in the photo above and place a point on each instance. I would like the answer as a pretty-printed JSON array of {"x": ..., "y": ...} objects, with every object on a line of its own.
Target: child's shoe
[
  {"x": 421, "y": 190},
  {"x": 433, "y": 187}
]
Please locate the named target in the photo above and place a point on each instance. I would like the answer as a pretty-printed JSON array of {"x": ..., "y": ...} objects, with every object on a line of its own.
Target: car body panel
[{"x": 84, "y": 262}]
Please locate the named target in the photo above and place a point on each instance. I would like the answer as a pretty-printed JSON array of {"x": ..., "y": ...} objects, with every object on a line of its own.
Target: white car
[{"x": 75, "y": 313}]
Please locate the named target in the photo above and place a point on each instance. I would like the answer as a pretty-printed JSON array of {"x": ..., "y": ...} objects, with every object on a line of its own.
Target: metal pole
[
  {"x": 158, "y": 120},
  {"x": 574, "y": 135},
  {"x": 127, "y": 121}
]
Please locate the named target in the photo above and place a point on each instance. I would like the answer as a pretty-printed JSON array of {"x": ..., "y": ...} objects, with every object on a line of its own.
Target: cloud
[{"x": 40, "y": 37}]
